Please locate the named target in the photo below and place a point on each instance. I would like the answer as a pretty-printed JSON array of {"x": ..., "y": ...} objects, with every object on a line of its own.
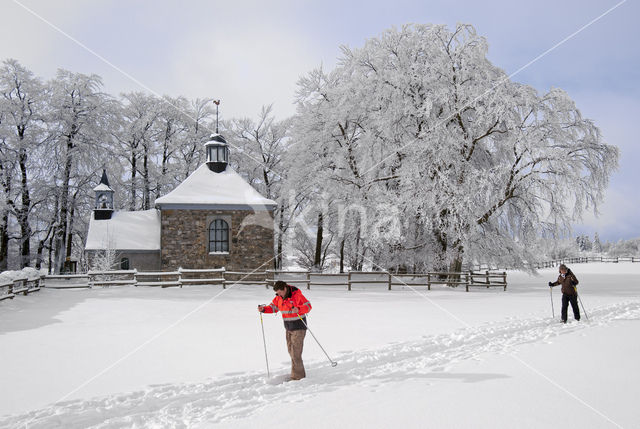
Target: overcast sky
[{"x": 251, "y": 53}]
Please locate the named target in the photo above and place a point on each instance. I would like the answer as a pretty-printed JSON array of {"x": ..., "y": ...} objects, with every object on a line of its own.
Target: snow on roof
[
  {"x": 103, "y": 187},
  {"x": 206, "y": 189},
  {"x": 138, "y": 230}
]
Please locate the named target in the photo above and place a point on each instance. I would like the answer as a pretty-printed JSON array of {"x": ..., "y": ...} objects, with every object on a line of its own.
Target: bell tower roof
[{"x": 104, "y": 183}]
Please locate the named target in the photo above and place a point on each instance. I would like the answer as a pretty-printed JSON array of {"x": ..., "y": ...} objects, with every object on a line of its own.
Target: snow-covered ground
[{"x": 193, "y": 357}]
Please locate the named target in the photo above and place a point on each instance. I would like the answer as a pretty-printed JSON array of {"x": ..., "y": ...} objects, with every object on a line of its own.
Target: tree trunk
[
  {"x": 50, "y": 262},
  {"x": 39, "y": 254},
  {"x": 317, "y": 263},
  {"x": 358, "y": 258},
  {"x": 23, "y": 212},
  {"x": 60, "y": 242},
  {"x": 342, "y": 256},
  {"x": 165, "y": 159},
  {"x": 132, "y": 202},
  {"x": 4, "y": 220},
  {"x": 455, "y": 266},
  {"x": 70, "y": 230},
  {"x": 4, "y": 240},
  {"x": 146, "y": 191}
]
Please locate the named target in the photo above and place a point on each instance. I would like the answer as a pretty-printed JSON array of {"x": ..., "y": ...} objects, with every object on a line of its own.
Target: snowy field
[{"x": 194, "y": 357}]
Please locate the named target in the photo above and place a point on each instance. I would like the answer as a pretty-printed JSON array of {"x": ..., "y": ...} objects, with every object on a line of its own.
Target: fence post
[
  {"x": 504, "y": 280},
  {"x": 224, "y": 279},
  {"x": 467, "y": 281},
  {"x": 308, "y": 280},
  {"x": 428, "y": 281},
  {"x": 349, "y": 281},
  {"x": 389, "y": 280}
]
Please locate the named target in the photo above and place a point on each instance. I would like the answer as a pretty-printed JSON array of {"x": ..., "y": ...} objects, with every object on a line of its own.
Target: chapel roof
[
  {"x": 205, "y": 189},
  {"x": 137, "y": 231}
]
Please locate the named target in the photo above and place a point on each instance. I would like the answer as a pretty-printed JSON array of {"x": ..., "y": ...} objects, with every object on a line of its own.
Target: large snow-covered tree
[
  {"x": 137, "y": 136},
  {"x": 477, "y": 164},
  {"x": 79, "y": 124},
  {"x": 200, "y": 124},
  {"x": 22, "y": 111},
  {"x": 259, "y": 146}
]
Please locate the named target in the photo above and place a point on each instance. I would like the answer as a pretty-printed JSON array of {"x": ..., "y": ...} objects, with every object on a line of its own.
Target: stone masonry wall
[{"x": 185, "y": 240}]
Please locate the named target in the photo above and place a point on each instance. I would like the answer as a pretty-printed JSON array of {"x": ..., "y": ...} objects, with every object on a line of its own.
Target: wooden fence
[
  {"x": 25, "y": 286},
  {"x": 136, "y": 278},
  {"x": 556, "y": 262},
  {"x": 467, "y": 279},
  {"x": 220, "y": 276}
]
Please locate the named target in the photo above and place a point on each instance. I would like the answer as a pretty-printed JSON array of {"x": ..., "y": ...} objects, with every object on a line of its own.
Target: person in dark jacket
[
  {"x": 569, "y": 281},
  {"x": 293, "y": 306}
]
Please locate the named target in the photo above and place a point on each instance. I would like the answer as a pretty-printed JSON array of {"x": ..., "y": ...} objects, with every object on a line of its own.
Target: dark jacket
[{"x": 568, "y": 281}]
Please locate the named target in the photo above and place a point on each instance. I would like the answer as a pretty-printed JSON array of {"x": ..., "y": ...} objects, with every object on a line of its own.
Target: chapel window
[{"x": 218, "y": 236}]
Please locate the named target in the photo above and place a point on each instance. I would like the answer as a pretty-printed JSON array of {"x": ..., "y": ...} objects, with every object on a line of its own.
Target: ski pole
[
  {"x": 264, "y": 342},
  {"x": 581, "y": 304},
  {"x": 333, "y": 363},
  {"x": 553, "y": 313}
]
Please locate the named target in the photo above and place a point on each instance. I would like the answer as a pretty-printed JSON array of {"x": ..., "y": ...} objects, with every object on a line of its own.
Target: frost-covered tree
[
  {"x": 172, "y": 127},
  {"x": 137, "y": 136},
  {"x": 22, "y": 108},
  {"x": 584, "y": 243},
  {"x": 259, "y": 147},
  {"x": 597, "y": 245},
  {"x": 79, "y": 124},
  {"x": 198, "y": 116},
  {"x": 478, "y": 165}
]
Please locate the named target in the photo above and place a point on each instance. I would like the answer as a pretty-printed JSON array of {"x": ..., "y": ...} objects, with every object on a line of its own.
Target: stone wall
[{"x": 185, "y": 240}]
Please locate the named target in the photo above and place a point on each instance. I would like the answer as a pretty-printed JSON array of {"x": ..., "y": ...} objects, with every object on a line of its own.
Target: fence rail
[
  {"x": 301, "y": 278},
  {"x": 582, "y": 260},
  {"x": 23, "y": 285},
  {"x": 452, "y": 279},
  {"x": 555, "y": 262}
]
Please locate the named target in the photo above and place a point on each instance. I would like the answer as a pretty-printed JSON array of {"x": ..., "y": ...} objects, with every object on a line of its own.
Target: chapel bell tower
[{"x": 103, "y": 208}]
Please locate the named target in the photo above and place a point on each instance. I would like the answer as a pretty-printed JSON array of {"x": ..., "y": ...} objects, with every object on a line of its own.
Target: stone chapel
[{"x": 213, "y": 219}]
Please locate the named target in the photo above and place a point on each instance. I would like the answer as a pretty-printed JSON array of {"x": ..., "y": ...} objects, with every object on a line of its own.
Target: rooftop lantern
[
  {"x": 217, "y": 149},
  {"x": 217, "y": 153}
]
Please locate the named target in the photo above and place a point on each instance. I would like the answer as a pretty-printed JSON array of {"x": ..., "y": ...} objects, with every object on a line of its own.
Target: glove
[
  {"x": 550, "y": 284},
  {"x": 261, "y": 308}
]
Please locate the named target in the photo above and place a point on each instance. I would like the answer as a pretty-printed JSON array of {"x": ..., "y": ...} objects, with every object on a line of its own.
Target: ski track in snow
[{"x": 236, "y": 396}]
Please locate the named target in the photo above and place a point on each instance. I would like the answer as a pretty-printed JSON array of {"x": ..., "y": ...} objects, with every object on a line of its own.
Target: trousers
[
  {"x": 573, "y": 299},
  {"x": 295, "y": 341}
]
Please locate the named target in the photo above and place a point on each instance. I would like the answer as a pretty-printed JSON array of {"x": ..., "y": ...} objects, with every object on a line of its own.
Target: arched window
[
  {"x": 124, "y": 263},
  {"x": 218, "y": 236}
]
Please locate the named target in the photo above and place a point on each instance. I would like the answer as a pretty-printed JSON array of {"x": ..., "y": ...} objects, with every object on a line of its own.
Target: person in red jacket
[{"x": 293, "y": 306}]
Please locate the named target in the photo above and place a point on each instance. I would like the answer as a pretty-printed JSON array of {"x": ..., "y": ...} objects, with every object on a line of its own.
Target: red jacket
[{"x": 294, "y": 298}]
